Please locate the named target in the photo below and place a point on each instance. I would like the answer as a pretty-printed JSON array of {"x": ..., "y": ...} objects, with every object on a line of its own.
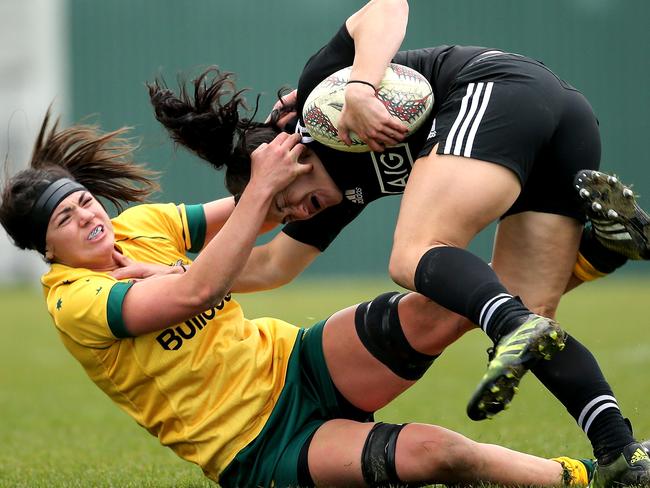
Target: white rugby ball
[{"x": 406, "y": 94}]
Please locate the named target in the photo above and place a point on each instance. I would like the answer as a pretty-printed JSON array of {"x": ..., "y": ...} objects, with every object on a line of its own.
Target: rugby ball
[{"x": 406, "y": 94}]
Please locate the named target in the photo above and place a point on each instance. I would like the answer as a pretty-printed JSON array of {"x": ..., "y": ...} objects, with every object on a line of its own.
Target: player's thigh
[
  {"x": 358, "y": 375},
  {"x": 402, "y": 336},
  {"x": 447, "y": 201},
  {"x": 534, "y": 255}
]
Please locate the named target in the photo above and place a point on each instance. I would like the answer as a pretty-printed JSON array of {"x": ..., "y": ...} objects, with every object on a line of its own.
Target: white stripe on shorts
[
  {"x": 477, "y": 121},
  {"x": 464, "y": 119},
  {"x": 459, "y": 119}
]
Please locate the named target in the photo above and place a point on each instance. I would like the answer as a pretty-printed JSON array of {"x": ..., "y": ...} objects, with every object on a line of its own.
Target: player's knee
[
  {"x": 440, "y": 455},
  {"x": 401, "y": 267},
  {"x": 378, "y": 465},
  {"x": 379, "y": 328}
]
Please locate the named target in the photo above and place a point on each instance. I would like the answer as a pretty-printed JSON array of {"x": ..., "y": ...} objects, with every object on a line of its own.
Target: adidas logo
[
  {"x": 639, "y": 455},
  {"x": 355, "y": 195},
  {"x": 432, "y": 132}
]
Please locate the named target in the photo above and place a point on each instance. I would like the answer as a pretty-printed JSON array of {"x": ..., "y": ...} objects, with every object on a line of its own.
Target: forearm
[
  {"x": 227, "y": 253},
  {"x": 262, "y": 273},
  {"x": 275, "y": 264},
  {"x": 249, "y": 282}
]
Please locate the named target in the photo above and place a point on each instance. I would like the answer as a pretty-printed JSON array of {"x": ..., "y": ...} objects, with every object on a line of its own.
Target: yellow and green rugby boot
[
  {"x": 536, "y": 338},
  {"x": 576, "y": 472}
]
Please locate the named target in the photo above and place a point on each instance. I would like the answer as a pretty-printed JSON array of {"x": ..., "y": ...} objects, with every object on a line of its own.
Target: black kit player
[{"x": 505, "y": 134}]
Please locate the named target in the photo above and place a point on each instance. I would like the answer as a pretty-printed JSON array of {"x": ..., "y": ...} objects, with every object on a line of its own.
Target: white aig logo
[{"x": 393, "y": 167}]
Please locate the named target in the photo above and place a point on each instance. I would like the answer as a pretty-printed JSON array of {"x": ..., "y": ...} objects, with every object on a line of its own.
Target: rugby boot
[
  {"x": 646, "y": 446},
  {"x": 618, "y": 222},
  {"x": 630, "y": 468},
  {"x": 536, "y": 338}
]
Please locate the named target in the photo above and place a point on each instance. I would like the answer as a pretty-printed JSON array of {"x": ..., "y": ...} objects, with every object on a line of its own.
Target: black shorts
[{"x": 513, "y": 111}]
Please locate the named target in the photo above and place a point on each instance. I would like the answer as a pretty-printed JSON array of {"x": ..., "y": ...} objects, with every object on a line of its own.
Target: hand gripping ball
[{"x": 406, "y": 94}]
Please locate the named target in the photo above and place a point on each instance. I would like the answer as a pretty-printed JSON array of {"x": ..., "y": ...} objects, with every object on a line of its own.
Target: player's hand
[
  {"x": 138, "y": 271},
  {"x": 276, "y": 164},
  {"x": 364, "y": 114},
  {"x": 289, "y": 100}
]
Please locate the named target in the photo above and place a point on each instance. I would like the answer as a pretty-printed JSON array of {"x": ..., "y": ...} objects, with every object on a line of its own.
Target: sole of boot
[{"x": 616, "y": 216}]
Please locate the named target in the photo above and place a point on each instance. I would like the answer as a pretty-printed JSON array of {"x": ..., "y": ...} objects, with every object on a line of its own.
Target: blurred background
[{"x": 92, "y": 60}]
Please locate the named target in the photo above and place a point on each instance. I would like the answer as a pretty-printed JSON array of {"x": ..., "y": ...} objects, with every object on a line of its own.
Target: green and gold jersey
[{"x": 205, "y": 387}]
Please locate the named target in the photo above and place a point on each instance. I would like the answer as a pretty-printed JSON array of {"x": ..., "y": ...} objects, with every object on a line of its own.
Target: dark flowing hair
[
  {"x": 102, "y": 162},
  {"x": 208, "y": 123}
]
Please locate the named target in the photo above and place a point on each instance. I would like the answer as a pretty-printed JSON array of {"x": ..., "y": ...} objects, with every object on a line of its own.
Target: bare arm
[
  {"x": 160, "y": 302},
  {"x": 218, "y": 212},
  {"x": 378, "y": 30},
  {"x": 275, "y": 264}
]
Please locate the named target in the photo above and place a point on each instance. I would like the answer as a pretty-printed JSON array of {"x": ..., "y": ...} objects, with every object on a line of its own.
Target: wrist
[
  {"x": 263, "y": 192},
  {"x": 179, "y": 267},
  {"x": 363, "y": 83}
]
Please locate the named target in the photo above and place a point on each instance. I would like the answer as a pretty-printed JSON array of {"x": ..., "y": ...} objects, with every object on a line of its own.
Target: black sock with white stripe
[
  {"x": 463, "y": 283},
  {"x": 576, "y": 380}
]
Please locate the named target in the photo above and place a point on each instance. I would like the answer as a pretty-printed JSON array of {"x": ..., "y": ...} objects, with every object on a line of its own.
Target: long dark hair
[
  {"x": 208, "y": 123},
  {"x": 102, "y": 162}
]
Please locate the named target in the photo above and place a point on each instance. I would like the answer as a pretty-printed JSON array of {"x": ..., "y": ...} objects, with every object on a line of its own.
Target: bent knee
[{"x": 404, "y": 260}]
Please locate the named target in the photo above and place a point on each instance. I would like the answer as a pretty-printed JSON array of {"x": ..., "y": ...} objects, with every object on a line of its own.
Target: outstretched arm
[
  {"x": 159, "y": 302},
  {"x": 378, "y": 30},
  {"x": 275, "y": 264}
]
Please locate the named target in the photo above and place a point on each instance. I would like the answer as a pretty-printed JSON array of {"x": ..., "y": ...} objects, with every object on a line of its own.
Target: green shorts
[{"x": 308, "y": 400}]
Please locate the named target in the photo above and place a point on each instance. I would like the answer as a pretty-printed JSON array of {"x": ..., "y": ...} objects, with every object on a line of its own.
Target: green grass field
[{"x": 58, "y": 430}]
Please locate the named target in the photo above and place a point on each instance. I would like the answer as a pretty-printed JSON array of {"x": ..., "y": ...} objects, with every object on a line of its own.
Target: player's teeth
[{"x": 95, "y": 231}]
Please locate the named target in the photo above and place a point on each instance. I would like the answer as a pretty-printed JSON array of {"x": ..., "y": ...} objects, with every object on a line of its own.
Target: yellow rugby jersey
[{"x": 205, "y": 387}]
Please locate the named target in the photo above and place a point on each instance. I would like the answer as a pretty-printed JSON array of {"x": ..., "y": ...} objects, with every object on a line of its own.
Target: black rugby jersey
[{"x": 364, "y": 177}]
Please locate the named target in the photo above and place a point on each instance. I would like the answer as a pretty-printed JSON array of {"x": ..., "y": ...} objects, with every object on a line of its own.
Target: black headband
[{"x": 42, "y": 210}]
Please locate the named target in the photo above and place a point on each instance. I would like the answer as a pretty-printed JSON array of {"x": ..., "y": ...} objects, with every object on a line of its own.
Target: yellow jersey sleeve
[{"x": 88, "y": 309}]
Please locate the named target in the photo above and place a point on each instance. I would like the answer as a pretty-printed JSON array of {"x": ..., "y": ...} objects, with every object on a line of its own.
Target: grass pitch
[{"x": 58, "y": 430}]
